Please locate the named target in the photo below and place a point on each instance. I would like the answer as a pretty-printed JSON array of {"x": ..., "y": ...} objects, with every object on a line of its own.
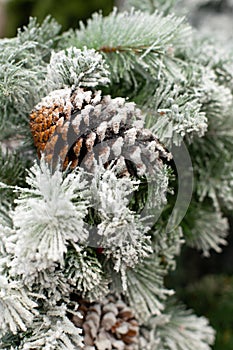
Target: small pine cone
[
  {"x": 79, "y": 127},
  {"x": 109, "y": 324}
]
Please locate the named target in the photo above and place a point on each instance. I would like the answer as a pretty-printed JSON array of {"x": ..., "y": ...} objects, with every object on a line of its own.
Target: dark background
[{"x": 66, "y": 12}]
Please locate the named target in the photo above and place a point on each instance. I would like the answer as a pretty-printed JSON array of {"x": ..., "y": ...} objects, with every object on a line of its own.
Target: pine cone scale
[
  {"x": 109, "y": 324},
  {"x": 81, "y": 126}
]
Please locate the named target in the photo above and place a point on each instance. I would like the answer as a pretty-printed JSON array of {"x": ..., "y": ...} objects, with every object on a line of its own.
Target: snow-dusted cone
[
  {"x": 109, "y": 324},
  {"x": 78, "y": 126}
]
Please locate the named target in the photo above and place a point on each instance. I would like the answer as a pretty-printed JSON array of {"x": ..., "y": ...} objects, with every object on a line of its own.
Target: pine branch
[
  {"x": 205, "y": 234},
  {"x": 133, "y": 42},
  {"x": 212, "y": 160},
  {"x": 44, "y": 36},
  {"x": 175, "y": 113},
  {"x": 12, "y": 172},
  {"x": 85, "y": 274},
  {"x": 23, "y": 69},
  {"x": 73, "y": 68},
  {"x": 167, "y": 245},
  {"x": 48, "y": 282},
  {"x": 148, "y": 5},
  {"x": 55, "y": 212},
  {"x": 185, "y": 331},
  {"x": 146, "y": 291},
  {"x": 17, "y": 309},
  {"x": 7, "y": 244},
  {"x": 52, "y": 329},
  {"x": 209, "y": 52},
  {"x": 121, "y": 232},
  {"x": 177, "y": 329}
]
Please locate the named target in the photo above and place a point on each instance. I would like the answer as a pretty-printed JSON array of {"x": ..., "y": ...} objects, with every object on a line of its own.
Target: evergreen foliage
[
  {"x": 133, "y": 43},
  {"x": 23, "y": 66},
  {"x": 74, "y": 67},
  {"x": 192, "y": 331},
  {"x": 90, "y": 234}
]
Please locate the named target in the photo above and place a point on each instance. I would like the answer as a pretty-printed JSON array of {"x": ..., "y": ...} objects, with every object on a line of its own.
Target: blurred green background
[
  {"x": 206, "y": 285},
  {"x": 66, "y": 12}
]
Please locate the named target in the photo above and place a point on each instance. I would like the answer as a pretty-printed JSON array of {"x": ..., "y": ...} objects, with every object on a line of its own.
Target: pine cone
[
  {"x": 80, "y": 126},
  {"x": 109, "y": 324}
]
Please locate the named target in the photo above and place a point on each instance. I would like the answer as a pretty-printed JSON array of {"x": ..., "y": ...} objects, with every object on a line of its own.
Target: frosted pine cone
[
  {"x": 108, "y": 325},
  {"x": 81, "y": 126}
]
